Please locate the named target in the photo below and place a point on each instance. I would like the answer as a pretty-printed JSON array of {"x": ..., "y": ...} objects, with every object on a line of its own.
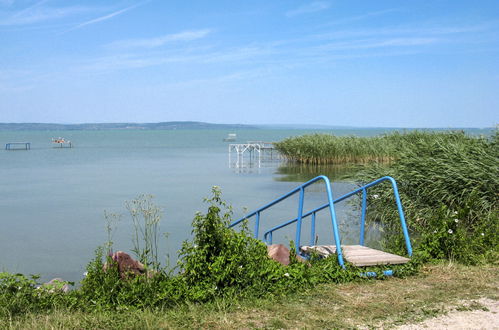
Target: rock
[
  {"x": 280, "y": 253},
  {"x": 56, "y": 284},
  {"x": 126, "y": 264}
]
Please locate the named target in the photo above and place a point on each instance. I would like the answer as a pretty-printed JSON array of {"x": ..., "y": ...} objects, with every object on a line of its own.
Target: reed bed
[
  {"x": 326, "y": 149},
  {"x": 449, "y": 184}
]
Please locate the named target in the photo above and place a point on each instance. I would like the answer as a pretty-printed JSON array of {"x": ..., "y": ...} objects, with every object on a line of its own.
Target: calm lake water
[{"x": 52, "y": 200}]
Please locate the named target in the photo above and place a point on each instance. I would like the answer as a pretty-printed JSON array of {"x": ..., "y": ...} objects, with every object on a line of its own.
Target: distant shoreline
[
  {"x": 184, "y": 125},
  {"x": 172, "y": 125}
]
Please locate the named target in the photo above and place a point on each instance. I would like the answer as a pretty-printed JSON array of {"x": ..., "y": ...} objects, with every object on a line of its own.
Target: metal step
[{"x": 357, "y": 255}]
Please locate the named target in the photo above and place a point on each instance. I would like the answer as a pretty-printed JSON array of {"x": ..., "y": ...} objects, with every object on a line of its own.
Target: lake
[{"x": 52, "y": 200}]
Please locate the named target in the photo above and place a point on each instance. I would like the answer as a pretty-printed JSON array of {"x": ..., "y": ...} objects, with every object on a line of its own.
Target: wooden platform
[{"x": 358, "y": 255}]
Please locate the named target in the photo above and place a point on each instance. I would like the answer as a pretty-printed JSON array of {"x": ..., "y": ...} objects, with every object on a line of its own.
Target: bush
[
  {"x": 20, "y": 295},
  {"x": 222, "y": 262}
]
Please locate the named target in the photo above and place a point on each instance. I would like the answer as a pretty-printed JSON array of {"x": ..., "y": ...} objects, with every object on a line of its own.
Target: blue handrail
[{"x": 299, "y": 219}]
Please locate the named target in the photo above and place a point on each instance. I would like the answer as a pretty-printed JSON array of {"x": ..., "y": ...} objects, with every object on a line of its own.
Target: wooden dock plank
[{"x": 358, "y": 255}]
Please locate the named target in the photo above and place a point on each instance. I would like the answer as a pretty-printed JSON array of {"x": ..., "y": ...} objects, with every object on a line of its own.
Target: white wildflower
[
  {"x": 240, "y": 267},
  {"x": 435, "y": 231},
  {"x": 456, "y": 220},
  {"x": 286, "y": 274},
  {"x": 375, "y": 196},
  {"x": 450, "y": 231},
  {"x": 455, "y": 212},
  {"x": 483, "y": 234}
]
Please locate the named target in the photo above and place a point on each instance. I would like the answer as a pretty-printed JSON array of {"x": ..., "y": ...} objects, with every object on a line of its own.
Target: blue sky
[{"x": 357, "y": 63}]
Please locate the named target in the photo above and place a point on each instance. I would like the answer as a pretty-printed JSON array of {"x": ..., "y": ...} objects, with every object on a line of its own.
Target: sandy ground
[{"x": 476, "y": 319}]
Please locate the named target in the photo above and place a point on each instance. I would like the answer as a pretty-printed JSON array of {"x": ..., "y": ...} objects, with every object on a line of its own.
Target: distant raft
[
  {"x": 62, "y": 143},
  {"x": 231, "y": 137}
]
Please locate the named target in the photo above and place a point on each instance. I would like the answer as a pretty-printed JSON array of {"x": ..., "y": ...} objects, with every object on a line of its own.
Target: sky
[{"x": 355, "y": 63}]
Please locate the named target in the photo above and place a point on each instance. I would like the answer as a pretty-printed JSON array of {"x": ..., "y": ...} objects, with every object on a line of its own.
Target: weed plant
[{"x": 146, "y": 217}]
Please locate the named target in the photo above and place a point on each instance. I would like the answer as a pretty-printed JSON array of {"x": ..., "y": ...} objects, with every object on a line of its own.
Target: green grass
[{"x": 434, "y": 291}]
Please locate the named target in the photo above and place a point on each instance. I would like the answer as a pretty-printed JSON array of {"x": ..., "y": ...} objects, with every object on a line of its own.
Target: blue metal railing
[{"x": 330, "y": 204}]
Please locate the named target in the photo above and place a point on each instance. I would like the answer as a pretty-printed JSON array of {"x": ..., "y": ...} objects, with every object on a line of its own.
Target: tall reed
[
  {"x": 321, "y": 149},
  {"x": 449, "y": 185}
]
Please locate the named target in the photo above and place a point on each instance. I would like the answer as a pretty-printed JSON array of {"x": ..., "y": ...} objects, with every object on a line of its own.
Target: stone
[
  {"x": 280, "y": 253},
  {"x": 126, "y": 264},
  {"x": 56, "y": 284}
]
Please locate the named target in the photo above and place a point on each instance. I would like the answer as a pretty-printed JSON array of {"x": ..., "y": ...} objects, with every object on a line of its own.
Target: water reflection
[
  {"x": 292, "y": 172},
  {"x": 251, "y": 159},
  {"x": 347, "y": 212}
]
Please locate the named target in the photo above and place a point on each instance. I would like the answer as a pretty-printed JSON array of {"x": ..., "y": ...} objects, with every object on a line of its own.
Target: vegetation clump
[
  {"x": 328, "y": 149},
  {"x": 320, "y": 149}
]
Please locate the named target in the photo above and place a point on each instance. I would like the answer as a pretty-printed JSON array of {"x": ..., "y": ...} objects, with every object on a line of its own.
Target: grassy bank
[{"x": 435, "y": 290}]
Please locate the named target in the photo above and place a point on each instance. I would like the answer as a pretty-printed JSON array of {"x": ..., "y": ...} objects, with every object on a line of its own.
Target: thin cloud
[
  {"x": 403, "y": 31},
  {"x": 38, "y": 13},
  {"x": 128, "y": 61},
  {"x": 309, "y": 8},
  {"x": 107, "y": 17},
  {"x": 160, "y": 41},
  {"x": 383, "y": 43},
  {"x": 249, "y": 75},
  {"x": 337, "y": 45},
  {"x": 362, "y": 17}
]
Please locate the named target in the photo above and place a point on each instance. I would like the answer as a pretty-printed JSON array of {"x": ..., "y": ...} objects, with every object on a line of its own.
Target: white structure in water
[
  {"x": 252, "y": 153},
  {"x": 231, "y": 137}
]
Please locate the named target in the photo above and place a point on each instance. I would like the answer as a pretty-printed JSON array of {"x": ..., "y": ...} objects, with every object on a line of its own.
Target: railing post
[
  {"x": 363, "y": 216},
  {"x": 336, "y": 232},
  {"x": 312, "y": 230},
  {"x": 299, "y": 221},
  {"x": 402, "y": 217},
  {"x": 257, "y": 223}
]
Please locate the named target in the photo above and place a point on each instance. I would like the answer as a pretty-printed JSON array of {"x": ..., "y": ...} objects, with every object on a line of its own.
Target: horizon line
[{"x": 325, "y": 126}]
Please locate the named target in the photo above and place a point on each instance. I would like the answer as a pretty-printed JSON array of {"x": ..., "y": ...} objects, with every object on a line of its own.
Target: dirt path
[{"x": 485, "y": 317}]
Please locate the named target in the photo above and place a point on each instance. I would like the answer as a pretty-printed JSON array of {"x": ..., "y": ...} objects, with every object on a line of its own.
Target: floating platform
[
  {"x": 62, "y": 143},
  {"x": 357, "y": 255},
  {"x": 18, "y": 146}
]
